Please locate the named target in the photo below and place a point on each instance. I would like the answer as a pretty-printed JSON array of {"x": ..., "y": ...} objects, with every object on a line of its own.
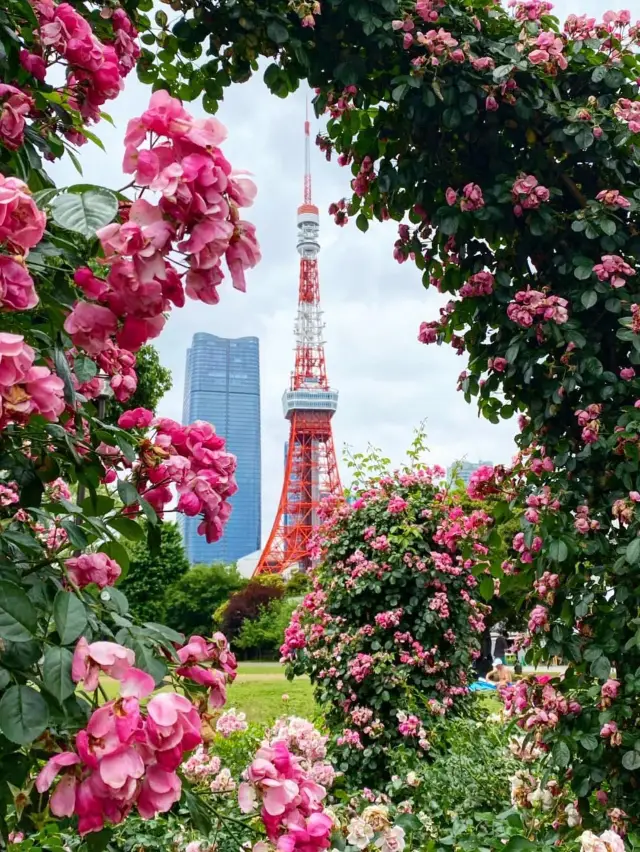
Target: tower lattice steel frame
[{"x": 311, "y": 471}]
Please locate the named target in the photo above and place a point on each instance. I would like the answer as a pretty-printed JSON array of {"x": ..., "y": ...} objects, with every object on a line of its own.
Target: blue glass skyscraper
[{"x": 222, "y": 386}]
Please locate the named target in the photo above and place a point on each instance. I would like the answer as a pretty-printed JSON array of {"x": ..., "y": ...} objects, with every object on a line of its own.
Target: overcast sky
[{"x": 388, "y": 382}]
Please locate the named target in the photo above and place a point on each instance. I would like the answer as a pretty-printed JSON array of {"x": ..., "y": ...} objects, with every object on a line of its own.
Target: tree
[
  {"x": 299, "y": 584},
  {"x": 191, "y": 601},
  {"x": 151, "y": 572},
  {"x": 247, "y": 604}
]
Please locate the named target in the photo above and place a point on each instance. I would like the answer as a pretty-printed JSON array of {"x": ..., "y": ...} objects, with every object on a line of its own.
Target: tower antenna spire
[
  {"x": 307, "y": 156},
  {"x": 311, "y": 470}
]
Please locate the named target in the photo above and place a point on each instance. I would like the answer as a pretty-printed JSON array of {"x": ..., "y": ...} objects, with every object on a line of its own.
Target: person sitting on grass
[{"x": 500, "y": 673}]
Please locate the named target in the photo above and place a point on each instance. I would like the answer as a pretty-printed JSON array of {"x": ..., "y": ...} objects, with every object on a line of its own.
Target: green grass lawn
[{"x": 258, "y": 691}]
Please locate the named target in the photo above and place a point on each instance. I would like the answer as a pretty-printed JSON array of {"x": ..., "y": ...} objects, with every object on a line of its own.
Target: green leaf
[
  {"x": 607, "y": 226},
  {"x": 452, "y": 118},
  {"x": 166, "y": 632},
  {"x": 97, "y": 841},
  {"x": 18, "y": 617},
  {"x": 518, "y": 844},
  {"x": 449, "y": 223},
  {"x": 362, "y": 223},
  {"x": 631, "y": 760},
  {"x": 76, "y": 534},
  {"x": 277, "y": 32},
  {"x": 486, "y": 587},
  {"x": 398, "y": 92},
  {"x": 589, "y": 298},
  {"x": 57, "y": 673},
  {"x": 633, "y": 551},
  {"x": 583, "y": 272},
  {"x": 561, "y": 754},
  {"x": 601, "y": 668},
  {"x": 128, "y": 528},
  {"x": 70, "y": 616},
  {"x": 62, "y": 369},
  {"x": 127, "y": 492},
  {"x": 127, "y": 450},
  {"x": 558, "y": 550},
  {"x": 598, "y": 74},
  {"x": 409, "y": 822},
  {"x": 84, "y": 213},
  {"x": 23, "y": 714},
  {"x": 84, "y": 368},
  {"x": 589, "y": 742}
]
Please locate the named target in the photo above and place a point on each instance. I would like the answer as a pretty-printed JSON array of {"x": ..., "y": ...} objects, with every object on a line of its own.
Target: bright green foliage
[
  {"x": 265, "y": 634},
  {"x": 191, "y": 601},
  {"x": 151, "y": 573}
]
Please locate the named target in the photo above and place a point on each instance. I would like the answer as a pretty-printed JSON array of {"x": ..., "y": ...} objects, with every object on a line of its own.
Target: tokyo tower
[{"x": 311, "y": 471}]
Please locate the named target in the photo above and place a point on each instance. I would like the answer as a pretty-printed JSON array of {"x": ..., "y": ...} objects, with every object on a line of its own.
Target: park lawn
[{"x": 258, "y": 691}]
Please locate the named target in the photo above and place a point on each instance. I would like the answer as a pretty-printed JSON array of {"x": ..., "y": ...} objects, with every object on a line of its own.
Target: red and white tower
[{"x": 311, "y": 471}]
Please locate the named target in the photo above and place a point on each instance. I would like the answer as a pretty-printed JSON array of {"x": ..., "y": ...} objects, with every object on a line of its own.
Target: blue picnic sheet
[{"x": 482, "y": 686}]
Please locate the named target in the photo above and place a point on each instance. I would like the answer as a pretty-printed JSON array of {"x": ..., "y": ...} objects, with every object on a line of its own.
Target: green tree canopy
[
  {"x": 193, "y": 598},
  {"x": 151, "y": 572}
]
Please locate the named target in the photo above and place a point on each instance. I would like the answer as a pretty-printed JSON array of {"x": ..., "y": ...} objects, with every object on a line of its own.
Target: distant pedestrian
[{"x": 500, "y": 648}]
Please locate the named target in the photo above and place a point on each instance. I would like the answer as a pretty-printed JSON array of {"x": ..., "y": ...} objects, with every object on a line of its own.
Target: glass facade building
[{"x": 222, "y": 386}]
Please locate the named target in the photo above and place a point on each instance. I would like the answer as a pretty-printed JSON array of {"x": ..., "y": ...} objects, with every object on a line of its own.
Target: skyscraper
[{"x": 222, "y": 386}]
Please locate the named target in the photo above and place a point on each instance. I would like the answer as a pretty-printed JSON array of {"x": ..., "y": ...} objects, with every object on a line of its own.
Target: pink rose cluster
[
  {"x": 95, "y": 70},
  {"x": 548, "y": 47},
  {"x": 530, "y": 10},
  {"x": 304, "y": 741},
  {"x": 520, "y": 546},
  {"x": 95, "y": 568},
  {"x": 470, "y": 200},
  {"x": 22, "y": 227},
  {"x": 628, "y": 112},
  {"x": 532, "y": 305},
  {"x": 390, "y": 618},
  {"x": 26, "y": 389},
  {"x": 290, "y": 800},
  {"x": 127, "y": 755},
  {"x": 192, "y": 458},
  {"x": 197, "y": 651},
  {"x": 201, "y": 766},
  {"x": 480, "y": 284},
  {"x": 197, "y": 216},
  {"x": 588, "y": 418},
  {"x": 583, "y": 523},
  {"x": 482, "y": 482},
  {"x": 537, "y": 706},
  {"x": 611, "y": 268},
  {"x": 231, "y": 722},
  {"x": 528, "y": 194},
  {"x": 608, "y": 841},
  {"x": 16, "y": 106},
  {"x": 613, "y": 198}
]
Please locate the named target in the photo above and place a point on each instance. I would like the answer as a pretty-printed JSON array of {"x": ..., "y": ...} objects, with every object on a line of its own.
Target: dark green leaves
[
  {"x": 561, "y": 754},
  {"x": 633, "y": 551},
  {"x": 601, "y": 668},
  {"x": 23, "y": 714},
  {"x": 631, "y": 760},
  {"x": 127, "y": 492},
  {"x": 18, "y": 617},
  {"x": 57, "y": 673},
  {"x": 84, "y": 212},
  {"x": 558, "y": 550},
  {"x": 277, "y": 32},
  {"x": 128, "y": 528},
  {"x": 589, "y": 298},
  {"x": 70, "y": 617}
]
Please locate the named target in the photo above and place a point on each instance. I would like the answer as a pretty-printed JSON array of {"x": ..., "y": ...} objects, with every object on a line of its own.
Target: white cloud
[{"x": 388, "y": 382}]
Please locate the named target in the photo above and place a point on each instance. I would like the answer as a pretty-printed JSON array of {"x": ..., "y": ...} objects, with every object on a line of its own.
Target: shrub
[
  {"x": 390, "y": 631},
  {"x": 247, "y": 604}
]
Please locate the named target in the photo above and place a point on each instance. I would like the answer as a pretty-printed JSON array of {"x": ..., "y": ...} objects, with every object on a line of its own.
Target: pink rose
[{"x": 17, "y": 290}]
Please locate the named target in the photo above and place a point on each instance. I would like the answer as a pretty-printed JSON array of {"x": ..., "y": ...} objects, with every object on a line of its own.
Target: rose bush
[{"x": 391, "y": 628}]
